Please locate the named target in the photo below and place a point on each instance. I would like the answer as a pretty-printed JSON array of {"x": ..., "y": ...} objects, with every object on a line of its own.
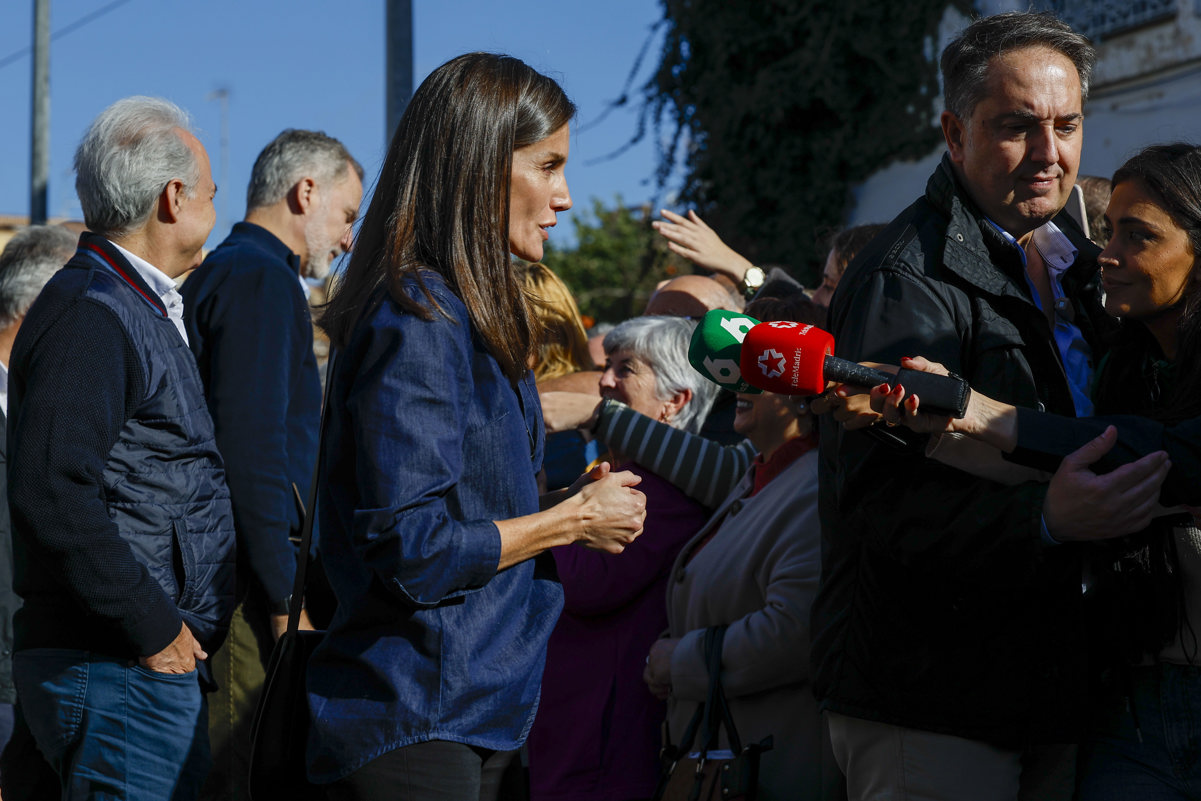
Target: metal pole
[
  {"x": 39, "y": 162},
  {"x": 399, "y": 62}
]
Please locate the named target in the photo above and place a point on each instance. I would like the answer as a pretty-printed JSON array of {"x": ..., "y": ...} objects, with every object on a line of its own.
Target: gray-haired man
[
  {"x": 122, "y": 529},
  {"x": 29, "y": 259},
  {"x": 248, "y": 323}
]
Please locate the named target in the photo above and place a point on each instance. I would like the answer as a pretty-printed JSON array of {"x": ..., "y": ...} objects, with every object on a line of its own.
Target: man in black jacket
[
  {"x": 247, "y": 315},
  {"x": 122, "y": 528},
  {"x": 946, "y": 639}
]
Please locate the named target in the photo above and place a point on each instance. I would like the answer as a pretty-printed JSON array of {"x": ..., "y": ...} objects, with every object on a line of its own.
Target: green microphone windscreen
[{"x": 716, "y": 348}]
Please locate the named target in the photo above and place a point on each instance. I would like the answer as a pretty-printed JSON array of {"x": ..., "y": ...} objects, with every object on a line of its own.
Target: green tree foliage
[
  {"x": 616, "y": 262},
  {"x": 780, "y": 106}
]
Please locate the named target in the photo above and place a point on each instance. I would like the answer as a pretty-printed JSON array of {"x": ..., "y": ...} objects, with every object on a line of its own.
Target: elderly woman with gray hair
[{"x": 597, "y": 731}]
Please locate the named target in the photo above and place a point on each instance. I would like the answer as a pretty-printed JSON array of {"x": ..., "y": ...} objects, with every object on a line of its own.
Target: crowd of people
[{"x": 556, "y": 563}]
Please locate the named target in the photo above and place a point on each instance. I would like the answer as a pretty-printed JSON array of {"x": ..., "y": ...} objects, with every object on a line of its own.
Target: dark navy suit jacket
[{"x": 249, "y": 326}]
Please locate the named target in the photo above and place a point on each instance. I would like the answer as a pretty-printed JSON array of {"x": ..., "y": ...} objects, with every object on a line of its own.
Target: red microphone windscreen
[{"x": 786, "y": 357}]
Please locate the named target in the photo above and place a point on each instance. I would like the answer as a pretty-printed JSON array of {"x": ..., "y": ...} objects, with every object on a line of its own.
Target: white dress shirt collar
[{"x": 162, "y": 285}]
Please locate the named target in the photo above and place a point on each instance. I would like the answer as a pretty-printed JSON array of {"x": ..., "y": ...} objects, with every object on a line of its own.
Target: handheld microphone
[
  {"x": 792, "y": 358},
  {"x": 716, "y": 346}
]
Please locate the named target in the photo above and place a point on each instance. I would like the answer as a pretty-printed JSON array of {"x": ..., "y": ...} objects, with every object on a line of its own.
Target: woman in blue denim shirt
[{"x": 431, "y": 529}]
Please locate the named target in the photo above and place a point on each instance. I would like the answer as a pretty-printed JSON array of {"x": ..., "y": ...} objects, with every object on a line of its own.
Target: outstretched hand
[
  {"x": 1082, "y": 505},
  {"x": 691, "y": 238},
  {"x": 985, "y": 419},
  {"x": 896, "y": 409},
  {"x": 848, "y": 407},
  {"x": 566, "y": 411}
]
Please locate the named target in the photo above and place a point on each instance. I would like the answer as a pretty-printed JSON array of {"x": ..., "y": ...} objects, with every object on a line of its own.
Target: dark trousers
[
  {"x": 25, "y": 775},
  {"x": 430, "y": 771}
]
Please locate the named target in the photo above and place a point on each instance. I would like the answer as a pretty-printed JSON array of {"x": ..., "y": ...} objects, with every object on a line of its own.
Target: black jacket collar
[
  {"x": 249, "y": 234},
  {"x": 981, "y": 255}
]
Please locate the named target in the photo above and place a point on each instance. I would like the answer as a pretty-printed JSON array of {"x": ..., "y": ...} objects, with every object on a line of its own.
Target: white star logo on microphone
[{"x": 771, "y": 362}]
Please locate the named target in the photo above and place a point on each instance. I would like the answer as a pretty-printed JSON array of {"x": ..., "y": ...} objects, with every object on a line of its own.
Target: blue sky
[{"x": 312, "y": 64}]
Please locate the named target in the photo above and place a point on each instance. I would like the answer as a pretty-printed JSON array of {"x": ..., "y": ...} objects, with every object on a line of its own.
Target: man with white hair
[
  {"x": 29, "y": 259},
  {"x": 123, "y": 536},
  {"x": 248, "y": 324}
]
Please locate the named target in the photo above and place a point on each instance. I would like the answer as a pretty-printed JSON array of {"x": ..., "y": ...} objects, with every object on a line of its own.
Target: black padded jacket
[
  {"x": 940, "y": 607},
  {"x": 122, "y": 526}
]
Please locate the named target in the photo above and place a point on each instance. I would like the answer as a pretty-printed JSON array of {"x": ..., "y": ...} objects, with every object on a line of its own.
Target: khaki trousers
[
  {"x": 883, "y": 762},
  {"x": 238, "y": 667}
]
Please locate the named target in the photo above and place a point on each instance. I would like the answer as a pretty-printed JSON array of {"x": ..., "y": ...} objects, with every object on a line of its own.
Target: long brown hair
[
  {"x": 1172, "y": 172},
  {"x": 442, "y": 202}
]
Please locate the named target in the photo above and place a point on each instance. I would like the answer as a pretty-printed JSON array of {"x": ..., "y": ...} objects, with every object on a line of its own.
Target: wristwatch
[{"x": 752, "y": 280}]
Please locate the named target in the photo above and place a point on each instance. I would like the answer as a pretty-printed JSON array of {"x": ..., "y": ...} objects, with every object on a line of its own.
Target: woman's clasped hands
[{"x": 611, "y": 511}]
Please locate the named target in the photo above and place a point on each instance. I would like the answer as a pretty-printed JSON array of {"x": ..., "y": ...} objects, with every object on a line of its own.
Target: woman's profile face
[
  {"x": 630, "y": 380},
  {"x": 768, "y": 420},
  {"x": 1148, "y": 262},
  {"x": 830, "y": 275},
  {"x": 538, "y": 192}
]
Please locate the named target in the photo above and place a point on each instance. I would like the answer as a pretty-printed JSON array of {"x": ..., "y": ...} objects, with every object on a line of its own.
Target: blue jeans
[
  {"x": 8, "y": 716},
  {"x": 1167, "y": 763},
  {"x": 114, "y": 730}
]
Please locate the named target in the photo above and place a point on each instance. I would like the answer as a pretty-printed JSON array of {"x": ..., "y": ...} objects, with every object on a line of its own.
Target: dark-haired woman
[
  {"x": 431, "y": 528},
  {"x": 1148, "y": 586}
]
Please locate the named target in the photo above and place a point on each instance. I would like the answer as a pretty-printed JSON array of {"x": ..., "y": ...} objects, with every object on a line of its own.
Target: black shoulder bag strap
[
  {"x": 280, "y": 726},
  {"x": 309, "y": 511},
  {"x": 701, "y": 719},
  {"x": 717, "y": 709}
]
